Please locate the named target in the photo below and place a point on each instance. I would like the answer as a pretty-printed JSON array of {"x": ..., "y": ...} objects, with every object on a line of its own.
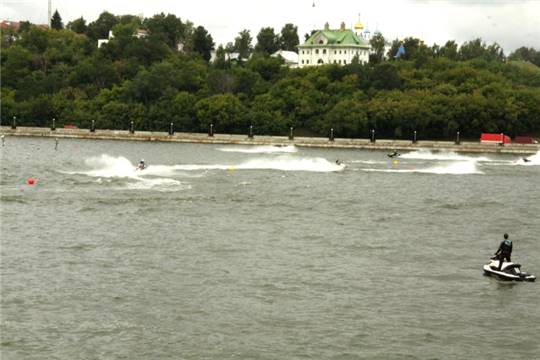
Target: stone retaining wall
[{"x": 380, "y": 144}]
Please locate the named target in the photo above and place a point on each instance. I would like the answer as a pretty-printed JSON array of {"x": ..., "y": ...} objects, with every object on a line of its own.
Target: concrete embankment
[{"x": 380, "y": 144}]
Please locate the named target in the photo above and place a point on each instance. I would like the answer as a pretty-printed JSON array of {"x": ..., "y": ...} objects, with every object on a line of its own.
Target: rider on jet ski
[
  {"x": 142, "y": 165},
  {"x": 504, "y": 251}
]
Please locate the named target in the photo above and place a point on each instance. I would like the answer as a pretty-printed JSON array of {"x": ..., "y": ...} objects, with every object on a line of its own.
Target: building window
[
  {"x": 335, "y": 61},
  {"x": 345, "y": 62},
  {"x": 302, "y": 61},
  {"x": 335, "y": 51},
  {"x": 302, "y": 52},
  {"x": 307, "y": 61},
  {"x": 320, "y": 61},
  {"x": 317, "y": 51},
  {"x": 340, "y": 61},
  {"x": 324, "y": 51},
  {"x": 340, "y": 51}
]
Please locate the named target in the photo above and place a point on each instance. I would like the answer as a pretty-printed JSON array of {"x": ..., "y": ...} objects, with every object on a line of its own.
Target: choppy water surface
[{"x": 218, "y": 252}]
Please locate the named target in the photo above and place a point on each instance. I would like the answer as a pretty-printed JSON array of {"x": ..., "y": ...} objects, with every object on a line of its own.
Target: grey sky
[{"x": 510, "y": 23}]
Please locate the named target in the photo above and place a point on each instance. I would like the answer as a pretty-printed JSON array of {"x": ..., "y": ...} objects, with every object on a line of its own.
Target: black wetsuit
[{"x": 504, "y": 252}]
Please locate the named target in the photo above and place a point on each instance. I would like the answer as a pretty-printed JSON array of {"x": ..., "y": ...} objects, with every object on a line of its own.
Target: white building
[
  {"x": 139, "y": 34},
  {"x": 335, "y": 46},
  {"x": 290, "y": 57}
]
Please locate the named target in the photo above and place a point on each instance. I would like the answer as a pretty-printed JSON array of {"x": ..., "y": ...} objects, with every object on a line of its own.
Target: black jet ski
[
  {"x": 509, "y": 271},
  {"x": 393, "y": 154},
  {"x": 526, "y": 160}
]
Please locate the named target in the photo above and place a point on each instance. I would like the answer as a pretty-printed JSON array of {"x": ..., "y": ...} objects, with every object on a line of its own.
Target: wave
[
  {"x": 531, "y": 160},
  {"x": 265, "y": 149},
  {"x": 110, "y": 168},
  {"x": 459, "y": 168},
  {"x": 369, "y": 162},
  {"x": 280, "y": 163},
  {"x": 442, "y": 156}
]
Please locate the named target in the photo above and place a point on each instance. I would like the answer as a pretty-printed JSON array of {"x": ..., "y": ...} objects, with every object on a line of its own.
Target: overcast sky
[{"x": 511, "y": 23}]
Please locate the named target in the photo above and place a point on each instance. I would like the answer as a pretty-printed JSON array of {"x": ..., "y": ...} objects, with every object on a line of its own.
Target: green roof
[{"x": 336, "y": 38}]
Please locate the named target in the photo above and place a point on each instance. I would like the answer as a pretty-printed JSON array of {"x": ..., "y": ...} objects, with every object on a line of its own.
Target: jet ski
[
  {"x": 509, "y": 271},
  {"x": 393, "y": 154}
]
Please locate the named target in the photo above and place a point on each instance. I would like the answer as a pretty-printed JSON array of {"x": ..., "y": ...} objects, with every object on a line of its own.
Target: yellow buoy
[{"x": 395, "y": 162}]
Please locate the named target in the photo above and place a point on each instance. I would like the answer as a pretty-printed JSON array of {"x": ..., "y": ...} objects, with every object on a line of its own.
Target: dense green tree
[
  {"x": 225, "y": 112},
  {"x": 269, "y": 68},
  {"x": 100, "y": 28},
  {"x": 248, "y": 82},
  {"x": 56, "y": 21},
  {"x": 385, "y": 76},
  {"x": 288, "y": 40},
  {"x": 24, "y": 26},
  {"x": 203, "y": 43},
  {"x": 167, "y": 28},
  {"x": 435, "y": 91},
  {"x": 478, "y": 49},
  {"x": 242, "y": 44},
  {"x": 449, "y": 50},
  {"x": 78, "y": 26},
  {"x": 266, "y": 116},
  {"x": 526, "y": 54},
  {"x": 348, "y": 118},
  {"x": 8, "y": 105},
  {"x": 378, "y": 44},
  {"x": 135, "y": 21},
  {"x": 221, "y": 61},
  {"x": 267, "y": 41},
  {"x": 184, "y": 112},
  {"x": 220, "y": 82}
]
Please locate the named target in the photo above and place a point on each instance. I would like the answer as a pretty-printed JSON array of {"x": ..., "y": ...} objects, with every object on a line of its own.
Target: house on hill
[
  {"x": 289, "y": 57},
  {"x": 334, "y": 47}
]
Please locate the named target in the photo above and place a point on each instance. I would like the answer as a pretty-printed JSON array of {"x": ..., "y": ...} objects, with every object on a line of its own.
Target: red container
[{"x": 495, "y": 138}]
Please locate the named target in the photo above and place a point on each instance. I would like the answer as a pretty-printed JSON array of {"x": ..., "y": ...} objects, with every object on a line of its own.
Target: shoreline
[{"x": 322, "y": 142}]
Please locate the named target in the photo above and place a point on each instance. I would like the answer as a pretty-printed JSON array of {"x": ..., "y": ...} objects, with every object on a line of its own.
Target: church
[{"x": 335, "y": 46}]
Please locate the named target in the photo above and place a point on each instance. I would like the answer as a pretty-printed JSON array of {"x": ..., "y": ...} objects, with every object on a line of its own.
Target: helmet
[
  {"x": 142, "y": 160},
  {"x": 505, "y": 236}
]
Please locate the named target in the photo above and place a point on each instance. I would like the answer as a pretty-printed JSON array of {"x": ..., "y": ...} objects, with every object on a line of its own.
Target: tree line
[{"x": 166, "y": 77}]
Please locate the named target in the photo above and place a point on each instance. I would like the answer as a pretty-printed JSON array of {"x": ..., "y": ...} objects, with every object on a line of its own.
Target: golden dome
[{"x": 359, "y": 26}]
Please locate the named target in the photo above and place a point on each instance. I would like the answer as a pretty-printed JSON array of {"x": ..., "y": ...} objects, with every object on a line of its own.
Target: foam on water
[
  {"x": 107, "y": 166},
  {"x": 280, "y": 163},
  {"x": 458, "y": 168},
  {"x": 293, "y": 164},
  {"x": 110, "y": 167},
  {"x": 266, "y": 149},
  {"x": 442, "y": 156},
  {"x": 369, "y": 162},
  {"x": 532, "y": 160}
]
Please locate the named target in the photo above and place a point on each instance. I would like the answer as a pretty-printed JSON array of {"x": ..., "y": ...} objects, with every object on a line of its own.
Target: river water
[{"x": 219, "y": 252}]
